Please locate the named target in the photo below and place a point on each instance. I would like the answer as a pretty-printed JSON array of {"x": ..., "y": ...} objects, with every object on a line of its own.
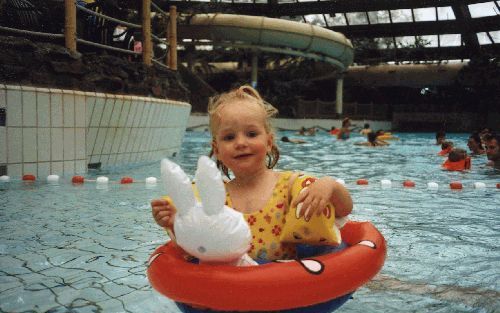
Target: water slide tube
[{"x": 270, "y": 35}]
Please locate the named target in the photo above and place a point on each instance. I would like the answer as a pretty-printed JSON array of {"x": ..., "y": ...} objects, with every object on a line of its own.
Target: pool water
[{"x": 66, "y": 248}]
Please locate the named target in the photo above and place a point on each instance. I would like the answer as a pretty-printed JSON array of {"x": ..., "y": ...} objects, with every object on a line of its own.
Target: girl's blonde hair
[{"x": 243, "y": 93}]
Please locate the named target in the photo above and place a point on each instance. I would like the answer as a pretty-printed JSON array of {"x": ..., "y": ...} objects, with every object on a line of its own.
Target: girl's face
[{"x": 241, "y": 139}]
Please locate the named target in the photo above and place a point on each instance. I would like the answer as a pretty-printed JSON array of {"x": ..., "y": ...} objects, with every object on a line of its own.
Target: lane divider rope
[{"x": 151, "y": 181}]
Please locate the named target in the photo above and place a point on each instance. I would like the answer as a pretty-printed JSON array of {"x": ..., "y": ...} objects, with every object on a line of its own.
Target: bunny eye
[{"x": 201, "y": 249}]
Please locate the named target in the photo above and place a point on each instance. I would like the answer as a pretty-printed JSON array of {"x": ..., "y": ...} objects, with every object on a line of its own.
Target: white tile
[
  {"x": 80, "y": 167},
  {"x": 80, "y": 145},
  {"x": 138, "y": 114},
  {"x": 117, "y": 110},
  {"x": 80, "y": 111},
  {"x": 69, "y": 168},
  {"x": 56, "y": 110},
  {"x": 99, "y": 142},
  {"x": 131, "y": 114},
  {"x": 56, "y": 143},
  {"x": 14, "y": 145},
  {"x": 15, "y": 170},
  {"x": 43, "y": 144},
  {"x": 119, "y": 159},
  {"x": 43, "y": 170},
  {"x": 90, "y": 137},
  {"x": 108, "y": 141},
  {"x": 124, "y": 113},
  {"x": 145, "y": 114},
  {"x": 106, "y": 114},
  {"x": 89, "y": 108},
  {"x": 69, "y": 109},
  {"x": 43, "y": 109},
  {"x": 56, "y": 168},
  {"x": 30, "y": 168},
  {"x": 124, "y": 140},
  {"x": 97, "y": 112},
  {"x": 117, "y": 140},
  {"x": 3, "y": 99},
  {"x": 14, "y": 108},
  {"x": 29, "y": 108},
  {"x": 95, "y": 158},
  {"x": 29, "y": 144},
  {"x": 68, "y": 144},
  {"x": 3, "y": 144}
]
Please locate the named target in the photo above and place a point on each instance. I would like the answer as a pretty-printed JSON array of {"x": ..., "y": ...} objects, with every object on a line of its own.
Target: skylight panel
[
  {"x": 357, "y": 18},
  {"x": 450, "y": 40},
  {"x": 405, "y": 41},
  {"x": 315, "y": 19},
  {"x": 425, "y": 14},
  {"x": 430, "y": 41},
  {"x": 336, "y": 20},
  {"x": 483, "y": 9},
  {"x": 385, "y": 42},
  {"x": 483, "y": 38},
  {"x": 445, "y": 13},
  {"x": 495, "y": 35},
  {"x": 379, "y": 17},
  {"x": 401, "y": 16}
]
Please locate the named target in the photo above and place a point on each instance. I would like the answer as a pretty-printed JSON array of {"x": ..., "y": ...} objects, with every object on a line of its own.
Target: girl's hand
[
  {"x": 163, "y": 212},
  {"x": 317, "y": 196}
]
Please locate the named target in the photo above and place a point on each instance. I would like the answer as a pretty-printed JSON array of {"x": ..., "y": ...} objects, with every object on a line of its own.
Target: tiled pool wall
[{"x": 53, "y": 131}]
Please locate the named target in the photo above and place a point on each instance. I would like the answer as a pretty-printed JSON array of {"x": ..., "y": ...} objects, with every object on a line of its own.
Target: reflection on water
[{"x": 67, "y": 248}]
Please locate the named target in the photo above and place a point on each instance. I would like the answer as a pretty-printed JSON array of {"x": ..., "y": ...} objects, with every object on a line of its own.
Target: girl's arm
[{"x": 164, "y": 214}]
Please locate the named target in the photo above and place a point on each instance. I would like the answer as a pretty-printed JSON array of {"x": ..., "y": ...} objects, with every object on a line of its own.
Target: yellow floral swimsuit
[{"x": 266, "y": 225}]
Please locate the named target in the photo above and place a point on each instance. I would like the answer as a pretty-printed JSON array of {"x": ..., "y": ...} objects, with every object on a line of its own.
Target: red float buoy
[
  {"x": 362, "y": 182},
  {"x": 77, "y": 180},
  {"x": 29, "y": 177},
  {"x": 456, "y": 185},
  {"x": 498, "y": 186},
  {"x": 409, "y": 184},
  {"x": 126, "y": 180}
]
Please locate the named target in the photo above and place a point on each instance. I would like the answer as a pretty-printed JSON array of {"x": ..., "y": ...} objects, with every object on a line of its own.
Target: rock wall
[{"x": 43, "y": 64}]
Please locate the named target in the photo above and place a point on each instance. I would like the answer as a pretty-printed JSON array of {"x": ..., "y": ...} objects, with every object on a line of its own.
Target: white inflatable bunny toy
[{"x": 208, "y": 230}]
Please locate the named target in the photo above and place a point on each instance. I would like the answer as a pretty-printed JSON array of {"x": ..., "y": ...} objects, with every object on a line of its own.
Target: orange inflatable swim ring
[{"x": 274, "y": 286}]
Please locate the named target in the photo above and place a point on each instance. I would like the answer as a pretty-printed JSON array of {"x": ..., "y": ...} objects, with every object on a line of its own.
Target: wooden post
[
  {"x": 172, "y": 39},
  {"x": 70, "y": 25},
  {"x": 340, "y": 96},
  {"x": 146, "y": 32}
]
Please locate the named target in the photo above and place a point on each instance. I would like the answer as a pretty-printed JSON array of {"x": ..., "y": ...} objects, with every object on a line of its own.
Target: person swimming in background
[
  {"x": 440, "y": 137},
  {"x": 446, "y": 147},
  {"x": 457, "y": 160},
  {"x": 475, "y": 145},
  {"x": 366, "y": 130},
  {"x": 345, "y": 131},
  {"x": 334, "y": 131},
  {"x": 292, "y": 140},
  {"x": 492, "y": 143},
  {"x": 373, "y": 141}
]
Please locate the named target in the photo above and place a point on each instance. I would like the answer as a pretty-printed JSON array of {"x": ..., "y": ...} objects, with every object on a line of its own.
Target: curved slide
[{"x": 270, "y": 35}]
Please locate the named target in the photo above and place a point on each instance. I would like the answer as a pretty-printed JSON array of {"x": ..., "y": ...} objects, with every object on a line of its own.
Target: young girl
[{"x": 243, "y": 143}]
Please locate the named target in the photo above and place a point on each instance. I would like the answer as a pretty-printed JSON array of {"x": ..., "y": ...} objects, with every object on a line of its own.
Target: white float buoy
[
  {"x": 479, "y": 185},
  {"x": 432, "y": 185},
  {"x": 386, "y": 183},
  {"x": 102, "y": 180},
  {"x": 151, "y": 181},
  {"x": 53, "y": 179},
  {"x": 4, "y": 179}
]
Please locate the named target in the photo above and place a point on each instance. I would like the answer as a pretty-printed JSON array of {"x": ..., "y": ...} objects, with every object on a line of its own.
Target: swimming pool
[{"x": 66, "y": 248}]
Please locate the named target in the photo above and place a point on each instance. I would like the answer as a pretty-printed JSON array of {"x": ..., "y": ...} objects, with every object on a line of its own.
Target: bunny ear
[
  {"x": 177, "y": 185},
  {"x": 210, "y": 186}
]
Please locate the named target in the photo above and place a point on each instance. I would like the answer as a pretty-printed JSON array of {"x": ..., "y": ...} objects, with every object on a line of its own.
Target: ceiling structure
[{"x": 382, "y": 30}]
